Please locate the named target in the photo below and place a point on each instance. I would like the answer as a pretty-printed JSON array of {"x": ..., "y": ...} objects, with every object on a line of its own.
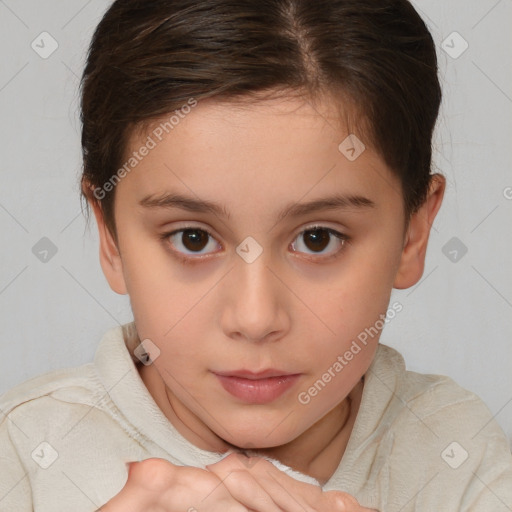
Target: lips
[
  {"x": 248, "y": 374},
  {"x": 257, "y": 387}
]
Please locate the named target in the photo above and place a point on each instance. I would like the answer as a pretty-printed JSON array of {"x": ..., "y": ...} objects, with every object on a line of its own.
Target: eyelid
[
  {"x": 343, "y": 238},
  {"x": 186, "y": 227},
  {"x": 187, "y": 259},
  {"x": 320, "y": 225}
]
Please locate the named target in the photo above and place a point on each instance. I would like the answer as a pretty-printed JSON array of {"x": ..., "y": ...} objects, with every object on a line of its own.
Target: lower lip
[{"x": 260, "y": 391}]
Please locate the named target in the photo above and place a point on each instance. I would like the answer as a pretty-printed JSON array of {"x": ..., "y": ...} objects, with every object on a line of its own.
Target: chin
[{"x": 258, "y": 439}]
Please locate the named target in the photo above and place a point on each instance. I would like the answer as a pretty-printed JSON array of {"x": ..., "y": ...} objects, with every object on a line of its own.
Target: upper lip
[{"x": 248, "y": 374}]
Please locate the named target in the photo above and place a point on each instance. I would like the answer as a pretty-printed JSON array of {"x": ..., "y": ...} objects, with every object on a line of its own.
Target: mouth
[
  {"x": 248, "y": 374},
  {"x": 257, "y": 387}
]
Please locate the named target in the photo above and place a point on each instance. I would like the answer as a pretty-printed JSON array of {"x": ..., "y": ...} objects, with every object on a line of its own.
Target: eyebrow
[{"x": 335, "y": 202}]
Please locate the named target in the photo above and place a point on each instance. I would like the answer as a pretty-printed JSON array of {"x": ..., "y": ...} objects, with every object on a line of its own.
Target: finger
[
  {"x": 156, "y": 484},
  {"x": 286, "y": 492},
  {"x": 304, "y": 494},
  {"x": 241, "y": 484},
  {"x": 245, "y": 489}
]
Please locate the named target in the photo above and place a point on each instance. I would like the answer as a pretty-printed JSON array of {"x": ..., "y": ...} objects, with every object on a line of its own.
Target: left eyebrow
[
  {"x": 335, "y": 202},
  {"x": 183, "y": 202}
]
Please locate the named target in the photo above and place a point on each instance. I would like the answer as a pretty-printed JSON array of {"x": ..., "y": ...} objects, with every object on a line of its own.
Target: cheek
[
  {"x": 353, "y": 305},
  {"x": 161, "y": 292},
  {"x": 355, "y": 296}
]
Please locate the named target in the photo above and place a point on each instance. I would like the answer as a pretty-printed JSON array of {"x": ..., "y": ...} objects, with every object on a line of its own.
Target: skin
[
  {"x": 292, "y": 308},
  {"x": 155, "y": 485}
]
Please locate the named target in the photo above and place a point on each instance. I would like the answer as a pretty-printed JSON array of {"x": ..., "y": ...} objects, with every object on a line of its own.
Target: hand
[
  {"x": 156, "y": 485},
  {"x": 239, "y": 474}
]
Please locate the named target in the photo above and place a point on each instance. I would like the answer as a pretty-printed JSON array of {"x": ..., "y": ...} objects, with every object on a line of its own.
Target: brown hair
[{"x": 148, "y": 59}]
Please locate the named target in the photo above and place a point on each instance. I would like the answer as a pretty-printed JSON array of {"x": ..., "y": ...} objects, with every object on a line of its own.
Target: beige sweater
[{"x": 420, "y": 442}]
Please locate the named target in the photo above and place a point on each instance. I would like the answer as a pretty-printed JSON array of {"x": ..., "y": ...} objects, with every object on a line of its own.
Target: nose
[{"x": 255, "y": 306}]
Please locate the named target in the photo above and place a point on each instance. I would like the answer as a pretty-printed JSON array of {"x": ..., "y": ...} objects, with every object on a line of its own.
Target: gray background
[{"x": 457, "y": 321}]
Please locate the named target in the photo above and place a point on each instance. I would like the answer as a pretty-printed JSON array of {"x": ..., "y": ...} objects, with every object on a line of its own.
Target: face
[{"x": 259, "y": 280}]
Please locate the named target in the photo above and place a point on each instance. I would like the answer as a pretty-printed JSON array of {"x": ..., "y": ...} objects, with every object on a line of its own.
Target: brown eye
[
  {"x": 191, "y": 241},
  {"x": 194, "y": 239},
  {"x": 316, "y": 240}
]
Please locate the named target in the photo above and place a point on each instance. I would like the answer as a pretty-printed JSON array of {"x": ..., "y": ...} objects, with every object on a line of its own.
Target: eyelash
[{"x": 344, "y": 239}]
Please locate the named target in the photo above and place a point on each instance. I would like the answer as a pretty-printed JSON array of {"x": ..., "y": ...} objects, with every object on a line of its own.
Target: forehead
[{"x": 273, "y": 150}]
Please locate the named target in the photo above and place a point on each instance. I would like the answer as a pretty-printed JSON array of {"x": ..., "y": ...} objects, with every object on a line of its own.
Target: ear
[
  {"x": 412, "y": 262},
  {"x": 110, "y": 257}
]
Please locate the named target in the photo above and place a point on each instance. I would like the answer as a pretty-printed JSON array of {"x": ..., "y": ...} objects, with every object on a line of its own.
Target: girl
[{"x": 260, "y": 174}]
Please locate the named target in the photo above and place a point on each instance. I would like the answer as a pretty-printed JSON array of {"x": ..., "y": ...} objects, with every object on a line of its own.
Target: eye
[
  {"x": 191, "y": 241},
  {"x": 318, "y": 238}
]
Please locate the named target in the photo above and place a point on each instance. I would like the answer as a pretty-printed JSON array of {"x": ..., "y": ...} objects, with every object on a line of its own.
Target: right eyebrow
[{"x": 170, "y": 200}]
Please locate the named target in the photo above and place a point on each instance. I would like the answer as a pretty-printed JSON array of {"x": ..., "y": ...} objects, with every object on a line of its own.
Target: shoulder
[
  {"x": 73, "y": 385},
  {"x": 61, "y": 395},
  {"x": 426, "y": 397},
  {"x": 69, "y": 408},
  {"x": 65, "y": 423},
  {"x": 77, "y": 384},
  {"x": 429, "y": 431}
]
